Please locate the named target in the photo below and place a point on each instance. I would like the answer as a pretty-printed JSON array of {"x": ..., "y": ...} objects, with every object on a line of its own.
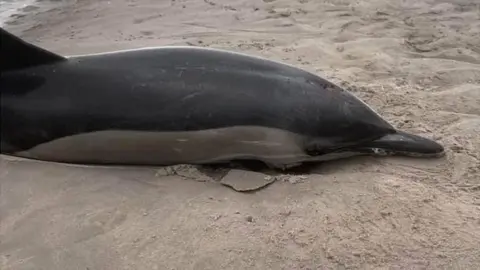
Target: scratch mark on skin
[{"x": 190, "y": 96}]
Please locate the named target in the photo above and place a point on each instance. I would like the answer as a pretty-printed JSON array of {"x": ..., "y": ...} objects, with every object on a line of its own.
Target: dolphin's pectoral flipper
[{"x": 317, "y": 147}]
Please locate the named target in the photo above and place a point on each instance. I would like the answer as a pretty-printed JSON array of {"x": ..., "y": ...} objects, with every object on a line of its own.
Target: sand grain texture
[{"x": 416, "y": 62}]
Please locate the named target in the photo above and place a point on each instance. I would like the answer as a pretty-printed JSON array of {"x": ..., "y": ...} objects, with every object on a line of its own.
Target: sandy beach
[{"x": 416, "y": 62}]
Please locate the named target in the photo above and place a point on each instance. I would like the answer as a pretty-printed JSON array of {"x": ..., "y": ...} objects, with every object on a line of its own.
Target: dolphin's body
[{"x": 190, "y": 105}]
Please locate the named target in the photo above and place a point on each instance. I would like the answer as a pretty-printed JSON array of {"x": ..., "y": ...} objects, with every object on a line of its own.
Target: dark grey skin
[{"x": 171, "y": 105}]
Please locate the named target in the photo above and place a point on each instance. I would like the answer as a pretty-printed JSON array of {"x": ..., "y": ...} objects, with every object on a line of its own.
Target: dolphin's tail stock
[{"x": 16, "y": 53}]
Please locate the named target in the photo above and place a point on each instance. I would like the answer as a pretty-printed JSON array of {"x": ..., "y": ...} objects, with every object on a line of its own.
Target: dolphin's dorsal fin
[{"x": 16, "y": 53}]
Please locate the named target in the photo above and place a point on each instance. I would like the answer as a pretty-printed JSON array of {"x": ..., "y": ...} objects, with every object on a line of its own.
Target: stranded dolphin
[{"x": 190, "y": 105}]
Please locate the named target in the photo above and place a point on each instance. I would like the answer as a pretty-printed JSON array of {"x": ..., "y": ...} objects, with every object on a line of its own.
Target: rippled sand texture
[{"x": 416, "y": 62}]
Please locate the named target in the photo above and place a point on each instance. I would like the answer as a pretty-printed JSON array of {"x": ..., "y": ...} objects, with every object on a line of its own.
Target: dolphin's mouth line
[
  {"x": 385, "y": 152},
  {"x": 377, "y": 151}
]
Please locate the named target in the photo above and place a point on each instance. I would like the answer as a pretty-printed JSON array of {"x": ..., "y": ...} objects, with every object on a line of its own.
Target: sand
[{"x": 416, "y": 62}]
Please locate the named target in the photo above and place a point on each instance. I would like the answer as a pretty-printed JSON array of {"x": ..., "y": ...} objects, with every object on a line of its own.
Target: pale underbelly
[{"x": 273, "y": 146}]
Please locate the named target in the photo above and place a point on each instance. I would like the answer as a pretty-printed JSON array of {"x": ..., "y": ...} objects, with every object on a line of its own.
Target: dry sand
[{"x": 416, "y": 62}]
